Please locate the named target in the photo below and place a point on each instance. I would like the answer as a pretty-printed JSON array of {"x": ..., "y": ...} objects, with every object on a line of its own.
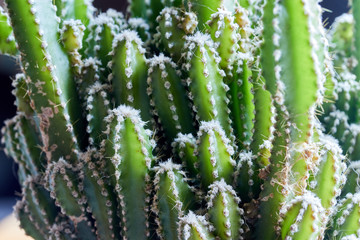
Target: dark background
[{"x": 8, "y": 182}]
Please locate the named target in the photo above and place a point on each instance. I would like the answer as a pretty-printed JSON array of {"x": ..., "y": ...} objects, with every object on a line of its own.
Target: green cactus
[
  {"x": 53, "y": 87},
  {"x": 224, "y": 212},
  {"x": 71, "y": 35},
  {"x": 132, "y": 159},
  {"x": 97, "y": 107},
  {"x": 225, "y": 33},
  {"x": 183, "y": 149},
  {"x": 303, "y": 218},
  {"x": 184, "y": 120},
  {"x": 7, "y": 42},
  {"x": 205, "y": 79},
  {"x": 195, "y": 227},
  {"x": 168, "y": 97},
  {"x": 129, "y": 83},
  {"x": 36, "y": 210},
  {"x": 346, "y": 221},
  {"x": 101, "y": 200},
  {"x": 173, "y": 199},
  {"x": 214, "y": 153}
]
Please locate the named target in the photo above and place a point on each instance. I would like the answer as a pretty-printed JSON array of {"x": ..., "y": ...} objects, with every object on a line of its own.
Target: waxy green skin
[
  {"x": 247, "y": 180},
  {"x": 298, "y": 66},
  {"x": 138, "y": 8},
  {"x": 205, "y": 80},
  {"x": 274, "y": 192},
  {"x": 21, "y": 135},
  {"x": 214, "y": 154},
  {"x": 277, "y": 71},
  {"x": 224, "y": 212},
  {"x": 36, "y": 211},
  {"x": 284, "y": 66},
  {"x": 168, "y": 97},
  {"x": 183, "y": 149},
  {"x": 129, "y": 82},
  {"x": 7, "y": 42},
  {"x": 100, "y": 196},
  {"x": 20, "y": 92},
  {"x": 242, "y": 105},
  {"x": 29, "y": 227},
  {"x": 90, "y": 74},
  {"x": 173, "y": 199},
  {"x": 304, "y": 219},
  {"x": 268, "y": 47},
  {"x": 329, "y": 178},
  {"x": 142, "y": 28},
  {"x": 102, "y": 30},
  {"x": 356, "y": 8},
  {"x": 75, "y": 9},
  {"x": 66, "y": 187},
  {"x": 104, "y": 36},
  {"x": 81, "y": 10},
  {"x": 10, "y": 140},
  {"x": 48, "y": 102},
  {"x": 260, "y": 121},
  {"x": 72, "y": 33},
  {"x": 342, "y": 117},
  {"x": 263, "y": 123},
  {"x": 225, "y": 32},
  {"x": 347, "y": 219},
  {"x": 97, "y": 107},
  {"x": 132, "y": 161},
  {"x": 40, "y": 216},
  {"x": 30, "y": 145},
  {"x": 156, "y": 8},
  {"x": 232, "y": 93},
  {"x": 174, "y": 25},
  {"x": 204, "y": 9},
  {"x": 195, "y": 227}
]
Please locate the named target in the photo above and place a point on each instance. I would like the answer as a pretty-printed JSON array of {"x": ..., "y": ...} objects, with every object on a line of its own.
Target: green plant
[{"x": 188, "y": 120}]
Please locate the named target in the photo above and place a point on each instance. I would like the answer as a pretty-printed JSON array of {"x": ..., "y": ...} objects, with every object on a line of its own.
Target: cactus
[
  {"x": 7, "y": 43},
  {"x": 184, "y": 120},
  {"x": 173, "y": 199}
]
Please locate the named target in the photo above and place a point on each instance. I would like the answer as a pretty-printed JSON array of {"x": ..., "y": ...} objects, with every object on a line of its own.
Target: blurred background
[{"x": 9, "y": 188}]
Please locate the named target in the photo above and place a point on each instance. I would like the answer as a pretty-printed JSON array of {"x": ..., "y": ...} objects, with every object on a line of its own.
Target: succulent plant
[{"x": 184, "y": 119}]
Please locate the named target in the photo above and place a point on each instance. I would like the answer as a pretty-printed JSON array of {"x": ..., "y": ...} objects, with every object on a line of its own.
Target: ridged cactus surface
[{"x": 191, "y": 119}]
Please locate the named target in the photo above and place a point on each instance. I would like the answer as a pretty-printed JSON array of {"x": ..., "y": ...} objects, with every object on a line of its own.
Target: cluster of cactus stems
[{"x": 185, "y": 119}]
